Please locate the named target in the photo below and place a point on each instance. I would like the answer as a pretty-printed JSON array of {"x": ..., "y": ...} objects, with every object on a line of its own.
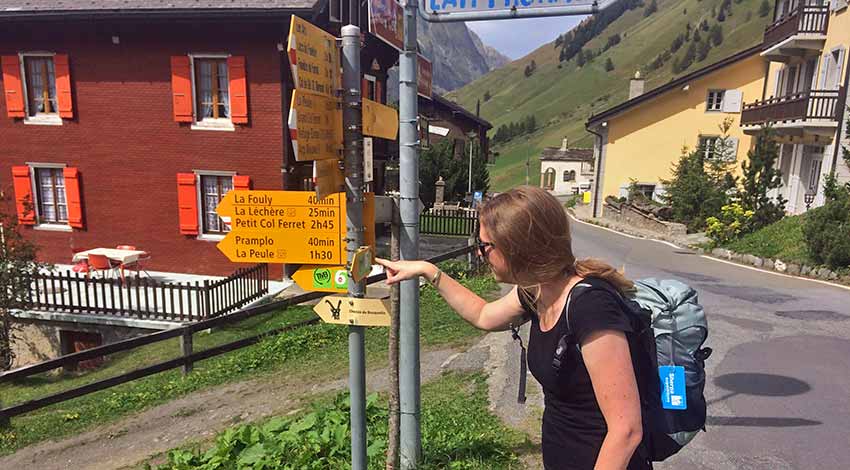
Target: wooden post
[{"x": 186, "y": 346}]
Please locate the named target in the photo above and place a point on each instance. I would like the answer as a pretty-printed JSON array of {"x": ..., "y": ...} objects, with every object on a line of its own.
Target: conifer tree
[{"x": 760, "y": 176}]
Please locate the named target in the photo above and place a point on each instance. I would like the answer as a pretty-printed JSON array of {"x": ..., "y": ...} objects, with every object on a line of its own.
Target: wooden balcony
[
  {"x": 796, "y": 33},
  {"x": 813, "y": 113}
]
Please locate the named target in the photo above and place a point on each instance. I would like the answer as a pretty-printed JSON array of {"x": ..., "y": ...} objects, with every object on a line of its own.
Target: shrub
[
  {"x": 826, "y": 229},
  {"x": 716, "y": 35},
  {"x": 764, "y": 8},
  {"x": 733, "y": 221},
  {"x": 650, "y": 9},
  {"x": 609, "y": 65}
]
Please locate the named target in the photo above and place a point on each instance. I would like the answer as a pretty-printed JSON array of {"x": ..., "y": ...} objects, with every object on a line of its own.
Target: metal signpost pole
[
  {"x": 411, "y": 438},
  {"x": 352, "y": 122}
]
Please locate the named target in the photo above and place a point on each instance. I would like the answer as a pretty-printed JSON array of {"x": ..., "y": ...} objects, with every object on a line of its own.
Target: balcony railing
[
  {"x": 804, "y": 19},
  {"x": 805, "y": 106}
]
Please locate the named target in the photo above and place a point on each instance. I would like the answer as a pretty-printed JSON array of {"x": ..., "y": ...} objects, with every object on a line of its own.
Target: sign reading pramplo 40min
[{"x": 283, "y": 227}]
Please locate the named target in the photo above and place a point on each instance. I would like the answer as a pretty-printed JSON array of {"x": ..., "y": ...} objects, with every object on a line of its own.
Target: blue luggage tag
[{"x": 673, "y": 396}]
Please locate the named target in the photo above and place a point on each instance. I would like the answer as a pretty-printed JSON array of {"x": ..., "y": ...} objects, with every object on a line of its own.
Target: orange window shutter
[
  {"x": 181, "y": 88},
  {"x": 63, "y": 86},
  {"x": 13, "y": 88},
  {"x": 241, "y": 182},
  {"x": 378, "y": 92},
  {"x": 364, "y": 88},
  {"x": 238, "y": 90},
  {"x": 73, "y": 197},
  {"x": 23, "y": 195},
  {"x": 187, "y": 203}
]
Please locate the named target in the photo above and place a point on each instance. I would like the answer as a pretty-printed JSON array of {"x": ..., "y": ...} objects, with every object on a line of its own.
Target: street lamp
[{"x": 809, "y": 198}]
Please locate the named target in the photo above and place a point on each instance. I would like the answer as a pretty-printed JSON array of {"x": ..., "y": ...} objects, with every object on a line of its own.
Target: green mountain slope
[{"x": 563, "y": 98}]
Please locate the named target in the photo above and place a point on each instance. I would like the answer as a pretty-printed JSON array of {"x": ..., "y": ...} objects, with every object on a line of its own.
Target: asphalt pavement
[{"x": 779, "y": 379}]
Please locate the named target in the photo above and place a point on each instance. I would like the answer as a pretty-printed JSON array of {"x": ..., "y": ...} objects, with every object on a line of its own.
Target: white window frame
[
  {"x": 34, "y": 190},
  {"x": 214, "y": 237},
  {"x": 718, "y": 105},
  {"x": 209, "y": 124},
  {"x": 709, "y": 151},
  {"x": 51, "y": 119}
]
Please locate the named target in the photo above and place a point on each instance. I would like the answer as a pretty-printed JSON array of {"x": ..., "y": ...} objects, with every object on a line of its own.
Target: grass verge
[
  {"x": 297, "y": 352},
  {"x": 458, "y": 432},
  {"x": 782, "y": 240}
]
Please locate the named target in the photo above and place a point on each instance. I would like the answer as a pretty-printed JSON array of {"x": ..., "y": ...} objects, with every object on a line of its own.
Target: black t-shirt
[{"x": 573, "y": 424}]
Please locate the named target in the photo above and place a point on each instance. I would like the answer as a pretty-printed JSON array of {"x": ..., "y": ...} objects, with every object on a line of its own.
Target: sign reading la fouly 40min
[{"x": 291, "y": 227}]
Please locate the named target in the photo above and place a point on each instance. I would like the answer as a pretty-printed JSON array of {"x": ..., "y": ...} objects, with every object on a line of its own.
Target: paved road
[{"x": 779, "y": 378}]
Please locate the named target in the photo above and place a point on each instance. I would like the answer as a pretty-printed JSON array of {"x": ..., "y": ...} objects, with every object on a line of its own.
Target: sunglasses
[{"x": 482, "y": 248}]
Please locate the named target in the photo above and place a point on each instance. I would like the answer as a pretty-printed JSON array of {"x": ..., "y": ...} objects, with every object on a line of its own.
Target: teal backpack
[{"x": 671, "y": 329}]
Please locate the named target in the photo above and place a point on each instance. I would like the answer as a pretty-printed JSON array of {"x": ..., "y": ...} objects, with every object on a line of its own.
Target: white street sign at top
[{"x": 443, "y": 11}]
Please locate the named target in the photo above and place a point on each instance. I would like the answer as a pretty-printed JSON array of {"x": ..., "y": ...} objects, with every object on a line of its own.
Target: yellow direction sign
[
  {"x": 354, "y": 311},
  {"x": 315, "y": 126},
  {"x": 361, "y": 265},
  {"x": 283, "y": 227},
  {"x": 322, "y": 278},
  {"x": 313, "y": 58},
  {"x": 299, "y": 247},
  {"x": 379, "y": 120},
  {"x": 327, "y": 177}
]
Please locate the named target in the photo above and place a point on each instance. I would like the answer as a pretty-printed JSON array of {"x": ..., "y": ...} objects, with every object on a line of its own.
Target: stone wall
[
  {"x": 35, "y": 340},
  {"x": 627, "y": 214}
]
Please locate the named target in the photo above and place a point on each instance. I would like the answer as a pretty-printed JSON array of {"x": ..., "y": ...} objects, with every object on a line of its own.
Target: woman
[{"x": 592, "y": 416}]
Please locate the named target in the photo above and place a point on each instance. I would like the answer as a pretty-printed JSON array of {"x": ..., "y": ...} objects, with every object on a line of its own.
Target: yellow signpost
[
  {"x": 379, "y": 120},
  {"x": 291, "y": 227},
  {"x": 322, "y": 278},
  {"x": 313, "y": 58},
  {"x": 353, "y": 311},
  {"x": 327, "y": 177},
  {"x": 315, "y": 126}
]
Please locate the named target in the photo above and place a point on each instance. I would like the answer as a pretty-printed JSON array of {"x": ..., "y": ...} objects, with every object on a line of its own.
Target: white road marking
[{"x": 744, "y": 266}]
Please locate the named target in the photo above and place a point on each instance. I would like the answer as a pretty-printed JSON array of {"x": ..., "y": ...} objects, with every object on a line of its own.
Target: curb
[{"x": 799, "y": 271}]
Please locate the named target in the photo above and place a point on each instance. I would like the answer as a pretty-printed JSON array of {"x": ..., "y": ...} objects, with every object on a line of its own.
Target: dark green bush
[{"x": 827, "y": 231}]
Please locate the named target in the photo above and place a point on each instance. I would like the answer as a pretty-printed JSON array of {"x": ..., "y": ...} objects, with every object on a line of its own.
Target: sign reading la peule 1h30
[{"x": 283, "y": 227}]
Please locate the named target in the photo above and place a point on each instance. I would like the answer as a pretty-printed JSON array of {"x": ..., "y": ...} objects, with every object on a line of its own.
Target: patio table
[{"x": 122, "y": 256}]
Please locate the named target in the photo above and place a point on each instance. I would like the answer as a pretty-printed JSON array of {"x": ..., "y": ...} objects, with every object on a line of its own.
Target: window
[
  {"x": 566, "y": 175},
  {"x": 51, "y": 204},
  {"x": 715, "y": 100},
  {"x": 587, "y": 168},
  {"x": 708, "y": 145},
  {"x": 41, "y": 85},
  {"x": 213, "y": 189},
  {"x": 212, "y": 93},
  {"x": 646, "y": 190},
  {"x": 549, "y": 179}
]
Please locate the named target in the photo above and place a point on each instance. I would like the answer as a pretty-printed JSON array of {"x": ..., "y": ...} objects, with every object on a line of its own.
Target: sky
[{"x": 517, "y": 37}]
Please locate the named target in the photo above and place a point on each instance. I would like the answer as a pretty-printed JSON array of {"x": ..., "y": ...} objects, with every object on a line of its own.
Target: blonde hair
[{"x": 531, "y": 230}]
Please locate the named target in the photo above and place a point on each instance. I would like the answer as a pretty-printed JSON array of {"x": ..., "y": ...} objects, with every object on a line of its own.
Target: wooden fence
[
  {"x": 147, "y": 298},
  {"x": 461, "y": 223},
  {"x": 188, "y": 358}
]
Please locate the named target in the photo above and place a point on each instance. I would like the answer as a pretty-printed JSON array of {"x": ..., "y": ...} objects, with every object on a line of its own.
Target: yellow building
[
  {"x": 805, "y": 97},
  {"x": 640, "y": 139}
]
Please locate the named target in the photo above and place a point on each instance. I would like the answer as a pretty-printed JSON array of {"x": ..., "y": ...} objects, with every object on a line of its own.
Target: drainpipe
[
  {"x": 842, "y": 116},
  {"x": 598, "y": 171}
]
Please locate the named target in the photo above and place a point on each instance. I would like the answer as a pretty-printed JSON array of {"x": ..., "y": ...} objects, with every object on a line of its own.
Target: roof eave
[
  {"x": 270, "y": 14},
  {"x": 596, "y": 120}
]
